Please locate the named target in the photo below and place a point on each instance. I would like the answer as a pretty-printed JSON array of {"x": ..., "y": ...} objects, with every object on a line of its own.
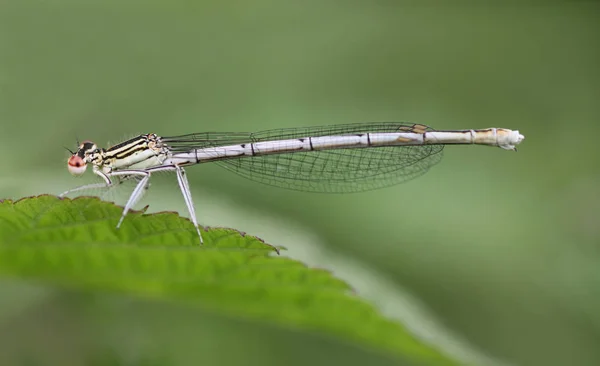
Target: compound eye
[{"x": 76, "y": 165}]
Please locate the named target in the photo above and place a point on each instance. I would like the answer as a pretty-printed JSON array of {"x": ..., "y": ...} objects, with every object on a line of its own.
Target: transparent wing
[{"x": 332, "y": 171}]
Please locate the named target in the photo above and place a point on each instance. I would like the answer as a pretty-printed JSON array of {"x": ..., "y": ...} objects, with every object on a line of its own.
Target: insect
[{"x": 336, "y": 159}]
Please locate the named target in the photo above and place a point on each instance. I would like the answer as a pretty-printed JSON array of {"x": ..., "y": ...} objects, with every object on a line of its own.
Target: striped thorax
[{"x": 140, "y": 152}]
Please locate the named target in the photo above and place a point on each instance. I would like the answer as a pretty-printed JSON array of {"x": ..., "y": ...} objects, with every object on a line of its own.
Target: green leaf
[{"x": 74, "y": 243}]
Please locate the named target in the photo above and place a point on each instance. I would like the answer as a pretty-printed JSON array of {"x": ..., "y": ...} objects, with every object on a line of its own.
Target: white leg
[
  {"x": 184, "y": 186},
  {"x": 137, "y": 193},
  {"x": 141, "y": 187},
  {"x": 187, "y": 196},
  {"x": 83, "y": 188},
  {"x": 107, "y": 183}
]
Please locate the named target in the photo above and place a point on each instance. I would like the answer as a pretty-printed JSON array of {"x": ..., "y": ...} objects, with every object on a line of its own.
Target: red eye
[{"x": 76, "y": 165}]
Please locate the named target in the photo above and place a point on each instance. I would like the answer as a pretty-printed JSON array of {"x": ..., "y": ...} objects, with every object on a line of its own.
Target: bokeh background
[{"x": 491, "y": 255}]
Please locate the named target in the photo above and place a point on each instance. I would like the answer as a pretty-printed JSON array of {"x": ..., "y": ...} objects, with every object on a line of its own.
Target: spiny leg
[
  {"x": 187, "y": 196},
  {"x": 107, "y": 183},
  {"x": 137, "y": 193},
  {"x": 85, "y": 187},
  {"x": 142, "y": 184},
  {"x": 184, "y": 186}
]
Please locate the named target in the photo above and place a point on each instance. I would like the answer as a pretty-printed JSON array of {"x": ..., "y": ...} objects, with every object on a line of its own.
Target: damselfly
[{"x": 336, "y": 159}]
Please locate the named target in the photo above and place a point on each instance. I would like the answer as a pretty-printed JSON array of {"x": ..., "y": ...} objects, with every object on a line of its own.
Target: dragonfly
[{"x": 333, "y": 159}]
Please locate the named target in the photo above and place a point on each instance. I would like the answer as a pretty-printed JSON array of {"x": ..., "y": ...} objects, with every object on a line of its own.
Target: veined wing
[{"x": 332, "y": 171}]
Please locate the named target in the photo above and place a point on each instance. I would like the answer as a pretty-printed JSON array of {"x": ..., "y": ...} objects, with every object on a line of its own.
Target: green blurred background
[{"x": 491, "y": 254}]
